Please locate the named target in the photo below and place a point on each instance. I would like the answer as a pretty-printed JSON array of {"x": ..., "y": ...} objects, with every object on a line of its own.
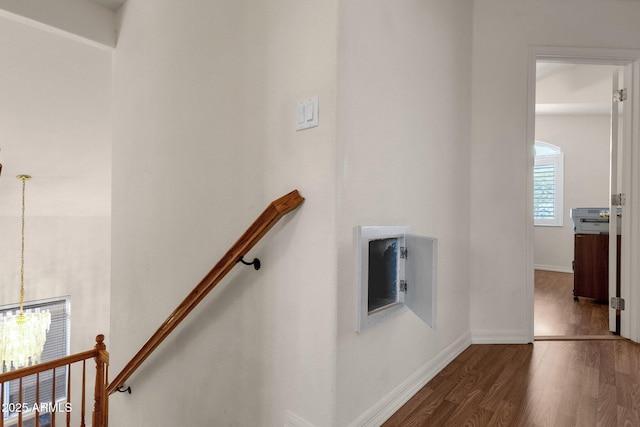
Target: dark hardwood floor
[
  {"x": 557, "y": 314},
  {"x": 548, "y": 383}
]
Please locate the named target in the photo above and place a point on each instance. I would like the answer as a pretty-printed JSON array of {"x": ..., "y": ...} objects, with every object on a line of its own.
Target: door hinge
[
  {"x": 619, "y": 96},
  {"x": 403, "y": 286},
  {"x": 404, "y": 252},
  {"x": 618, "y": 199},
  {"x": 617, "y": 303}
]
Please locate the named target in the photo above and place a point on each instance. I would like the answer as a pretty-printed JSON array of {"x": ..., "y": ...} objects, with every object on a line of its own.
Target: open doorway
[{"x": 572, "y": 171}]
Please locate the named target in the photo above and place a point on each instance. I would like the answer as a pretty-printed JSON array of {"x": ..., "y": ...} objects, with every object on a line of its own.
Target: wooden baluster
[
  {"x": 84, "y": 392},
  {"x": 106, "y": 397},
  {"x": 38, "y": 398},
  {"x": 20, "y": 402},
  {"x": 53, "y": 398},
  {"x": 68, "y": 395},
  {"x": 99, "y": 393},
  {"x": 99, "y": 353},
  {"x": 2, "y": 402}
]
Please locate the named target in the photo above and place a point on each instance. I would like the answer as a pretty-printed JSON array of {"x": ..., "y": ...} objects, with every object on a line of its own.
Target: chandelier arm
[
  {"x": 22, "y": 336},
  {"x": 24, "y": 182},
  {"x": 24, "y": 179}
]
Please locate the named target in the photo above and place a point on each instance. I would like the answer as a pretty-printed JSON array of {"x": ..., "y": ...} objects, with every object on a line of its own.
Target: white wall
[
  {"x": 190, "y": 171},
  {"x": 503, "y": 31},
  {"x": 55, "y": 123},
  {"x": 404, "y": 114},
  {"x": 63, "y": 257},
  {"x": 204, "y": 101},
  {"x": 55, "y": 95},
  {"x": 584, "y": 140},
  {"x": 262, "y": 350}
]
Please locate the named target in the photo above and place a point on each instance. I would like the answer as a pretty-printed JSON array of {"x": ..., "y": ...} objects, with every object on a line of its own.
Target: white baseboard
[
  {"x": 500, "y": 337},
  {"x": 389, "y": 405},
  {"x": 556, "y": 268}
]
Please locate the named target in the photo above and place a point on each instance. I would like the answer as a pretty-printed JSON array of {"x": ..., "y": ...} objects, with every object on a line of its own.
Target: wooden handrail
[
  {"x": 58, "y": 363},
  {"x": 46, "y": 366},
  {"x": 271, "y": 215}
]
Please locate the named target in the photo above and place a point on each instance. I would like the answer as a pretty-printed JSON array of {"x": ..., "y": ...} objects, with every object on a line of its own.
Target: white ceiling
[
  {"x": 574, "y": 89},
  {"x": 547, "y": 69}
]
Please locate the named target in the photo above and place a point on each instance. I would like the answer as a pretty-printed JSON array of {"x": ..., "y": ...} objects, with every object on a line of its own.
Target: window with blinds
[
  {"x": 55, "y": 347},
  {"x": 548, "y": 185}
]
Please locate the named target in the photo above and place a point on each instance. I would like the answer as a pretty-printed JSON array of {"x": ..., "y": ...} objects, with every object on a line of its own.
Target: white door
[
  {"x": 625, "y": 161},
  {"x": 630, "y": 187},
  {"x": 615, "y": 184}
]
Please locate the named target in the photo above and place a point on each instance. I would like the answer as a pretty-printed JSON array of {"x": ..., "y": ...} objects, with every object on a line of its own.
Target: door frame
[{"x": 630, "y": 272}]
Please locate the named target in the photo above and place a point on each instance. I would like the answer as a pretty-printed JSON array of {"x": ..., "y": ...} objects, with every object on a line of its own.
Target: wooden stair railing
[
  {"x": 100, "y": 404},
  {"x": 271, "y": 215}
]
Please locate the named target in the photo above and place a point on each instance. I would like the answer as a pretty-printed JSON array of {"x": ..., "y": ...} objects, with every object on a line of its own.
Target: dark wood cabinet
[{"x": 591, "y": 266}]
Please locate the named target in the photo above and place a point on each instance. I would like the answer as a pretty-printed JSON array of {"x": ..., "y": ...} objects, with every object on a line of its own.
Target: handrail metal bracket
[
  {"x": 124, "y": 390},
  {"x": 255, "y": 262}
]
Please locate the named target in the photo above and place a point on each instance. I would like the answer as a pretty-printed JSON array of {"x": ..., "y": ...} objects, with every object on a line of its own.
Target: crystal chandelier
[{"x": 22, "y": 335}]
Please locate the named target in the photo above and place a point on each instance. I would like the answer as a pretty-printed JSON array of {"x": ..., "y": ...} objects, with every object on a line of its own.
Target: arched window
[{"x": 548, "y": 184}]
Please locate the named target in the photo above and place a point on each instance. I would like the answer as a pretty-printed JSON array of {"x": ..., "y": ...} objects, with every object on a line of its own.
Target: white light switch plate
[{"x": 307, "y": 113}]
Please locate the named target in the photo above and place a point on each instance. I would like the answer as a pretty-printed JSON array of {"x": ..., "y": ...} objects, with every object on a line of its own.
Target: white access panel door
[{"x": 420, "y": 275}]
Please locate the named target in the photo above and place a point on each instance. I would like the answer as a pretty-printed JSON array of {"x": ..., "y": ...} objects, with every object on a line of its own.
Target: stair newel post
[{"x": 100, "y": 395}]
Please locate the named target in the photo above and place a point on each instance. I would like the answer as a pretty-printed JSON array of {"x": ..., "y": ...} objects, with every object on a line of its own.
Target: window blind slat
[
  {"x": 548, "y": 184},
  {"x": 544, "y": 191}
]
